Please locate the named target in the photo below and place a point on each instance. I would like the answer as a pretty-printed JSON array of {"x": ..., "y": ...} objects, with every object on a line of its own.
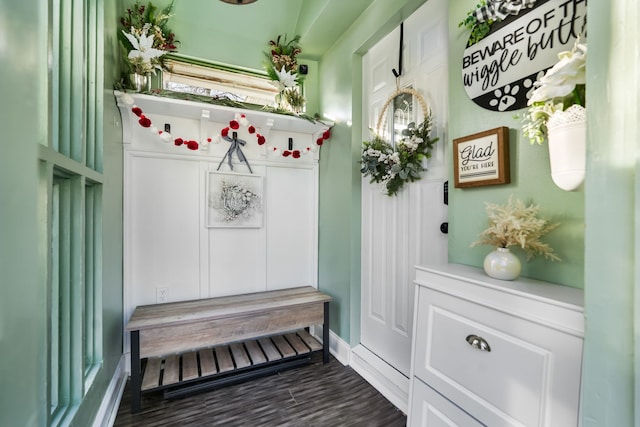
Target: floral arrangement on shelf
[
  {"x": 516, "y": 224},
  {"x": 480, "y": 19},
  {"x": 282, "y": 68},
  {"x": 562, "y": 88},
  {"x": 146, "y": 37},
  {"x": 392, "y": 166}
]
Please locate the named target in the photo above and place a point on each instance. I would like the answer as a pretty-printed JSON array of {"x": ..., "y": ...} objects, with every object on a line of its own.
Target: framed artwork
[
  {"x": 234, "y": 200},
  {"x": 482, "y": 158}
]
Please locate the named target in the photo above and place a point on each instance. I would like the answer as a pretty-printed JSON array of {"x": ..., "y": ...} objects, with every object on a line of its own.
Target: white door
[{"x": 401, "y": 231}]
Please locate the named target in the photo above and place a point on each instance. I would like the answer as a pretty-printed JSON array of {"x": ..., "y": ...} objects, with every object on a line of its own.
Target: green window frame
[{"x": 71, "y": 173}]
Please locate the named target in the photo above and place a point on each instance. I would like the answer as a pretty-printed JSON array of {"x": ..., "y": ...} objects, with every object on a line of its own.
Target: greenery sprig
[{"x": 479, "y": 30}]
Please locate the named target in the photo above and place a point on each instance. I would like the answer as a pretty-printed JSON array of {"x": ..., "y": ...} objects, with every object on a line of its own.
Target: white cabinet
[{"x": 495, "y": 353}]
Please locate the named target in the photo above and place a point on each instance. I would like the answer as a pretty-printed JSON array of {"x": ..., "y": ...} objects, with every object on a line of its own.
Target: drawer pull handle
[{"x": 478, "y": 342}]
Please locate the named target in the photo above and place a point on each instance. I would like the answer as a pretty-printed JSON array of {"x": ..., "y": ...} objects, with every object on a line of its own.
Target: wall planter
[{"x": 567, "y": 138}]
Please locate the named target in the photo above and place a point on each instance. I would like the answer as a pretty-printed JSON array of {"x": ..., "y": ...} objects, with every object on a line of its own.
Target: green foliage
[{"x": 478, "y": 29}]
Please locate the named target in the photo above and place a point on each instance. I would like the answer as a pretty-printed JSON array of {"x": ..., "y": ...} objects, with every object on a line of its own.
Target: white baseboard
[
  {"x": 337, "y": 346},
  {"x": 108, "y": 410},
  {"x": 383, "y": 377}
]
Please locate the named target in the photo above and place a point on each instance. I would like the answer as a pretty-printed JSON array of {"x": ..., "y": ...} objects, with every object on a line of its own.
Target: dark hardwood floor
[{"x": 315, "y": 395}]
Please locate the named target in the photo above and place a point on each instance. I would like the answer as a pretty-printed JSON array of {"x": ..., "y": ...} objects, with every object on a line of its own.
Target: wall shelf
[{"x": 264, "y": 121}]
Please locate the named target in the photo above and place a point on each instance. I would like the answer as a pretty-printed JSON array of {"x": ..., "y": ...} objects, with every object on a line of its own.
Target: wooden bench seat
[{"x": 188, "y": 346}]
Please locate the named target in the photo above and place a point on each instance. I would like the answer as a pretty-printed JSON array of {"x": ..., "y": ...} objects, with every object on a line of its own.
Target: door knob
[{"x": 444, "y": 228}]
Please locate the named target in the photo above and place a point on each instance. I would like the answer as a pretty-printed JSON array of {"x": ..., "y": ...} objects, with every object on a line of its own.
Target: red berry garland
[{"x": 234, "y": 124}]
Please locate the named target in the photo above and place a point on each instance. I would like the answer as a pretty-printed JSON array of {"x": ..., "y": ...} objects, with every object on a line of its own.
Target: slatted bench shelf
[{"x": 190, "y": 346}]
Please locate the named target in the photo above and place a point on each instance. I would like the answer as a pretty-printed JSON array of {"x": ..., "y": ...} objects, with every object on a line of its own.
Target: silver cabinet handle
[{"x": 478, "y": 342}]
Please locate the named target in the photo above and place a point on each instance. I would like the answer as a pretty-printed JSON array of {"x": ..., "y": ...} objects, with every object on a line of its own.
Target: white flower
[
  {"x": 285, "y": 79},
  {"x": 552, "y": 92},
  {"x": 563, "y": 77},
  {"x": 143, "y": 52},
  {"x": 412, "y": 143}
]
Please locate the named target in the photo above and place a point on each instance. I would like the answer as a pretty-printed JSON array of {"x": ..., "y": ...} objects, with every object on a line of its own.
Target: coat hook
[{"x": 398, "y": 73}]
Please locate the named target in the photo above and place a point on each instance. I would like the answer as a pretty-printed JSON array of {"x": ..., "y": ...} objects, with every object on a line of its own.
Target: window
[{"x": 71, "y": 170}]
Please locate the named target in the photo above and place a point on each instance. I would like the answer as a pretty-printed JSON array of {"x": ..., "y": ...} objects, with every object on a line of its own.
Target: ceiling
[{"x": 318, "y": 22}]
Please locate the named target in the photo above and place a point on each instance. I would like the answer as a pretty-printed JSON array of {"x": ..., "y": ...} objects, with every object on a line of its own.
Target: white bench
[{"x": 190, "y": 346}]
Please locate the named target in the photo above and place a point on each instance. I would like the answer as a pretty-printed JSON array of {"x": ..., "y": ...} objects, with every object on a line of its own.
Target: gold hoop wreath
[{"x": 391, "y": 165}]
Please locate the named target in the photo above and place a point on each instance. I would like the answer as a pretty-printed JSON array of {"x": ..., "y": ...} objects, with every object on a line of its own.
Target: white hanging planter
[{"x": 567, "y": 138}]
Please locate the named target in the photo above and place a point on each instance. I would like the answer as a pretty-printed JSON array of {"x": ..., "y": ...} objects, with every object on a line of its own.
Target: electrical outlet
[{"x": 162, "y": 294}]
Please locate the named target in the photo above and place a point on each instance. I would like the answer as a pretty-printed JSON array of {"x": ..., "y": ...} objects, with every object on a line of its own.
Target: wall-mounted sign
[
  {"x": 482, "y": 158},
  {"x": 498, "y": 72}
]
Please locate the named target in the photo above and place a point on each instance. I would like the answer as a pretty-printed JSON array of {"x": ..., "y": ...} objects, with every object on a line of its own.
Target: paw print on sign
[{"x": 504, "y": 100}]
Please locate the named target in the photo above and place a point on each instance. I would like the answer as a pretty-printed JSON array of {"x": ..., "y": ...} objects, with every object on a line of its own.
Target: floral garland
[
  {"x": 234, "y": 124},
  {"x": 392, "y": 167}
]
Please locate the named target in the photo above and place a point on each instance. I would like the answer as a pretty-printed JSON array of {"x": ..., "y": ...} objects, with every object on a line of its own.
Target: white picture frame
[{"x": 234, "y": 200}]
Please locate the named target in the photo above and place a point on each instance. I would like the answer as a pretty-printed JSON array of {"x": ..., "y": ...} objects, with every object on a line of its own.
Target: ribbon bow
[
  {"x": 500, "y": 9},
  {"x": 235, "y": 146}
]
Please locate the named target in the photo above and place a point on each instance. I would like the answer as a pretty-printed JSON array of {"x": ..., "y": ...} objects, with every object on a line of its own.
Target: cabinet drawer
[
  {"x": 430, "y": 409},
  {"x": 528, "y": 374}
]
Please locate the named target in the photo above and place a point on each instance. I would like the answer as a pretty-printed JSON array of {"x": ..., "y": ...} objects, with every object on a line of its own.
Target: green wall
[
  {"x": 611, "y": 393},
  {"x": 530, "y": 181},
  {"x": 23, "y": 303}
]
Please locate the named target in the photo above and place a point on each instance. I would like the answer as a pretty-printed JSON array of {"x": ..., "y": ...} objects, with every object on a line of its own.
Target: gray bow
[
  {"x": 235, "y": 146},
  {"x": 500, "y": 9}
]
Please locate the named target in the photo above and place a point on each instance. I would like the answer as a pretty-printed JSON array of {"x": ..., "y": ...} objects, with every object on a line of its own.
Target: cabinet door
[
  {"x": 430, "y": 409},
  {"x": 503, "y": 369}
]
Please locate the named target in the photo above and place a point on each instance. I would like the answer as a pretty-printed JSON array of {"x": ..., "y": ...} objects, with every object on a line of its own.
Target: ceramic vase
[
  {"x": 567, "y": 138},
  {"x": 502, "y": 264}
]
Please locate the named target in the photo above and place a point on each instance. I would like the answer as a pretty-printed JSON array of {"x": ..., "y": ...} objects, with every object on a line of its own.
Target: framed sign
[
  {"x": 499, "y": 70},
  {"x": 482, "y": 158}
]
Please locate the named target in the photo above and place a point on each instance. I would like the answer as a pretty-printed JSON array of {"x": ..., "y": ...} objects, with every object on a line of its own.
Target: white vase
[
  {"x": 567, "y": 138},
  {"x": 502, "y": 264},
  {"x": 141, "y": 82}
]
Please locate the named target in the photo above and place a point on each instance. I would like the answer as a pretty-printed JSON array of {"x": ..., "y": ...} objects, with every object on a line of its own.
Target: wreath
[{"x": 392, "y": 166}]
